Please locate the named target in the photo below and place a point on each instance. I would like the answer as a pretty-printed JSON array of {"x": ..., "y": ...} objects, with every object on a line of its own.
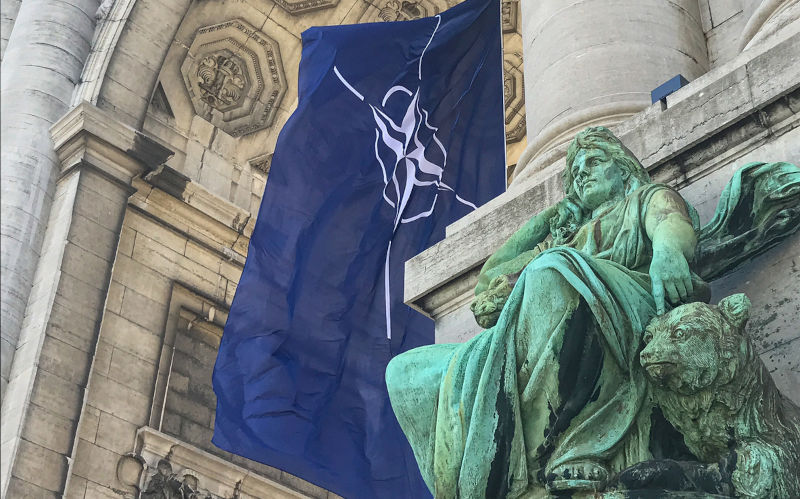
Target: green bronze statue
[{"x": 552, "y": 396}]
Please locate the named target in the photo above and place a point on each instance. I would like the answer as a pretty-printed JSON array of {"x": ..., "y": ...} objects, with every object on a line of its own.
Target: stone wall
[{"x": 171, "y": 286}]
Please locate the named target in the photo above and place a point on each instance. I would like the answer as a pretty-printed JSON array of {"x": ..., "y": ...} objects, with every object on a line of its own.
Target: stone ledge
[
  {"x": 765, "y": 104},
  {"x": 90, "y": 135},
  {"x": 187, "y": 208}
]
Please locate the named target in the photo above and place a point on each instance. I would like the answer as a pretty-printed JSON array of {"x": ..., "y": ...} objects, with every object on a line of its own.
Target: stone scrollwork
[
  {"x": 165, "y": 467},
  {"x": 234, "y": 75},
  {"x": 406, "y": 10},
  {"x": 221, "y": 80}
]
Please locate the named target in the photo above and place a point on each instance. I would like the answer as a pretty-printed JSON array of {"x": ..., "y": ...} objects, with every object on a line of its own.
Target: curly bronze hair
[{"x": 599, "y": 137}]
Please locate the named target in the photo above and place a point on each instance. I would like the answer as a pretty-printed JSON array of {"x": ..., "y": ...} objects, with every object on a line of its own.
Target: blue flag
[{"x": 399, "y": 131}]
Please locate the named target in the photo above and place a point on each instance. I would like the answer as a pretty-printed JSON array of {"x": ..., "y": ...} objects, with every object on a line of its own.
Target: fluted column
[
  {"x": 42, "y": 63},
  {"x": 594, "y": 62}
]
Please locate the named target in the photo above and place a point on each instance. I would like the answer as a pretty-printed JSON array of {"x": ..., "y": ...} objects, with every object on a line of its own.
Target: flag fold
[{"x": 398, "y": 132}]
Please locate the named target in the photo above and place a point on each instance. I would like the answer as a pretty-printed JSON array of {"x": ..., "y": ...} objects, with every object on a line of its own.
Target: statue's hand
[
  {"x": 670, "y": 276},
  {"x": 487, "y": 305}
]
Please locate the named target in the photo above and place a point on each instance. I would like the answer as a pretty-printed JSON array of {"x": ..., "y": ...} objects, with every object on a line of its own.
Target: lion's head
[{"x": 696, "y": 345}]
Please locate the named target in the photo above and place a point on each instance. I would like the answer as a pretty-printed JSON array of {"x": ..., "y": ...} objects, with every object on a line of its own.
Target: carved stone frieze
[
  {"x": 165, "y": 467},
  {"x": 514, "y": 93},
  {"x": 397, "y": 10},
  {"x": 262, "y": 163},
  {"x": 295, "y": 7},
  {"x": 165, "y": 484},
  {"x": 234, "y": 75},
  {"x": 406, "y": 10}
]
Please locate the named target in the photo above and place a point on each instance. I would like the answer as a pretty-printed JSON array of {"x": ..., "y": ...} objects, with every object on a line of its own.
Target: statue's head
[
  {"x": 164, "y": 467},
  {"x": 600, "y": 168}
]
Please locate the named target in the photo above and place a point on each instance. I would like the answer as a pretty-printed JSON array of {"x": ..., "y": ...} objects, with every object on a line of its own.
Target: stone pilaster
[
  {"x": 99, "y": 158},
  {"x": 595, "y": 63}
]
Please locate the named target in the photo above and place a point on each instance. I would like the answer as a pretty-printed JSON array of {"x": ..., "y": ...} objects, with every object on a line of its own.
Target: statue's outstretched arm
[
  {"x": 669, "y": 227},
  {"x": 522, "y": 241}
]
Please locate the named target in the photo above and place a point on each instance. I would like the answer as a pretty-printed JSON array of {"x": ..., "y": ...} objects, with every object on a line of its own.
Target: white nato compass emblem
[{"x": 401, "y": 152}]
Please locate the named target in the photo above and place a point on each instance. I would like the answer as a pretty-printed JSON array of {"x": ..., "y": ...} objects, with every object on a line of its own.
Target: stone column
[
  {"x": 57, "y": 343},
  {"x": 594, "y": 62},
  {"x": 767, "y": 19},
  {"x": 42, "y": 63},
  {"x": 8, "y": 14}
]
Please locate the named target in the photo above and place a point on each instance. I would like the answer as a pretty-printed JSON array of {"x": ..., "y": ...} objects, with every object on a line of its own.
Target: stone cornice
[
  {"x": 187, "y": 208},
  {"x": 88, "y": 135}
]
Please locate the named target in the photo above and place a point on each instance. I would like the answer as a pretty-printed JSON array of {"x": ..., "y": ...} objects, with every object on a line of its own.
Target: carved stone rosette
[
  {"x": 234, "y": 75},
  {"x": 262, "y": 163}
]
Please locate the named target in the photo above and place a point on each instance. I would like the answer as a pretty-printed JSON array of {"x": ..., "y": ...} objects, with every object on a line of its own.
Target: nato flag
[{"x": 399, "y": 131}]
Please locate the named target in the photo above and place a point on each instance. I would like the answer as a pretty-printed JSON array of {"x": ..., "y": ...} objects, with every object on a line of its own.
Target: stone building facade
[{"x": 136, "y": 142}]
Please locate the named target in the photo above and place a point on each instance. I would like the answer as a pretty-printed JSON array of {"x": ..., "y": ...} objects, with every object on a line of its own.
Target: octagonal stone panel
[
  {"x": 234, "y": 75},
  {"x": 514, "y": 94}
]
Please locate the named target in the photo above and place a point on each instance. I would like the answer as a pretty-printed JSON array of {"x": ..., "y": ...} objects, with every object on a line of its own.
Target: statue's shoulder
[
  {"x": 652, "y": 188},
  {"x": 640, "y": 198},
  {"x": 662, "y": 193}
]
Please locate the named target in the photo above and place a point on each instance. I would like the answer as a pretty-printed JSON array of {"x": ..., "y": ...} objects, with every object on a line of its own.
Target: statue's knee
[
  {"x": 397, "y": 372},
  {"x": 547, "y": 278}
]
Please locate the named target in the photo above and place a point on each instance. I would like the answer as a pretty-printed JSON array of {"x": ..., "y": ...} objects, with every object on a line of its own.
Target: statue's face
[{"x": 597, "y": 178}]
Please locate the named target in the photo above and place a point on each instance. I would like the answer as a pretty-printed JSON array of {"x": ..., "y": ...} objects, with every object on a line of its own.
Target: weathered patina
[{"x": 552, "y": 396}]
